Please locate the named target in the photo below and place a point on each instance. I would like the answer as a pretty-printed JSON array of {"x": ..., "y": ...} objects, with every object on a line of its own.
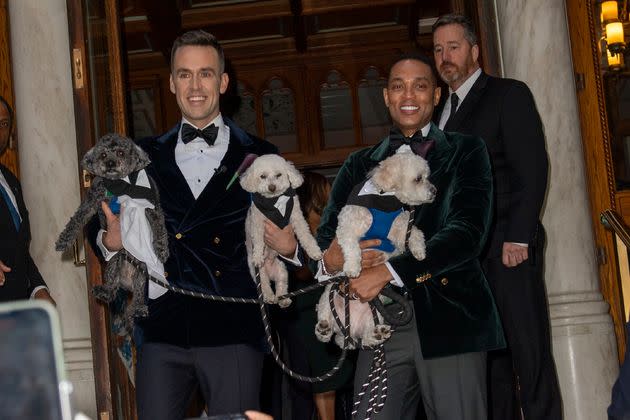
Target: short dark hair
[
  {"x": 469, "y": 29},
  {"x": 6, "y": 104},
  {"x": 199, "y": 38},
  {"x": 416, "y": 56}
]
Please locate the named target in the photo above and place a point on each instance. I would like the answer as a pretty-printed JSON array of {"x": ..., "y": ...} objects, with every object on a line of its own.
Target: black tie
[
  {"x": 454, "y": 103},
  {"x": 419, "y": 145},
  {"x": 209, "y": 134}
]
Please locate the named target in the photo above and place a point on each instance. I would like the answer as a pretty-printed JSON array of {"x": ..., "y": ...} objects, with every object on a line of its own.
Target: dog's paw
[
  {"x": 142, "y": 311},
  {"x": 270, "y": 299},
  {"x": 417, "y": 245},
  {"x": 102, "y": 293},
  {"x": 284, "y": 303},
  {"x": 379, "y": 334},
  {"x": 352, "y": 269},
  {"x": 323, "y": 331},
  {"x": 258, "y": 260}
]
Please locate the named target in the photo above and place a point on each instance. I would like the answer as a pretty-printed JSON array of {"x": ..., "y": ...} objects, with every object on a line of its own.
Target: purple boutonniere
[{"x": 249, "y": 159}]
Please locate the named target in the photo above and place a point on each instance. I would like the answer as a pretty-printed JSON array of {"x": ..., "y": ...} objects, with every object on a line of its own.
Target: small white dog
[
  {"x": 272, "y": 181},
  {"x": 375, "y": 210}
]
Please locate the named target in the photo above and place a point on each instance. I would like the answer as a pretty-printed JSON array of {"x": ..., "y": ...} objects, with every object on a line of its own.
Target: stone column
[
  {"x": 48, "y": 164},
  {"x": 535, "y": 47}
]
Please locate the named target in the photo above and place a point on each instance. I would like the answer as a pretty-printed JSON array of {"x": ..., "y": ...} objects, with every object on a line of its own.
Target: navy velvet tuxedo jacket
[
  {"x": 14, "y": 248},
  {"x": 503, "y": 113},
  {"x": 207, "y": 249}
]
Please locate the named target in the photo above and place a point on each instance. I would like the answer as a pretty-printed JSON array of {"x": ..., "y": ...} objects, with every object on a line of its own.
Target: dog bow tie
[
  {"x": 419, "y": 144},
  {"x": 209, "y": 134}
]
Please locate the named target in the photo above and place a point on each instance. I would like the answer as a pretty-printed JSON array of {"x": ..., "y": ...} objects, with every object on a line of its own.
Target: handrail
[{"x": 612, "y": 221}]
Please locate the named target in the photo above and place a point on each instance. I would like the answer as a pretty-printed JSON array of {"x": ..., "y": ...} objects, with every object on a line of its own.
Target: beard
[{"x": 450, "y": 73}]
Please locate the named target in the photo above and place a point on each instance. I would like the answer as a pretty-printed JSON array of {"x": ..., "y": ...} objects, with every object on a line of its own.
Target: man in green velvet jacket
[{"x": 440, "y": 356}]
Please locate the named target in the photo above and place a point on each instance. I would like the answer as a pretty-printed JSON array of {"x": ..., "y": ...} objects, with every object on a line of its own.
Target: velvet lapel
[
  {"x": 169, "y": 178},
  {"x": 469, "y": 103}
]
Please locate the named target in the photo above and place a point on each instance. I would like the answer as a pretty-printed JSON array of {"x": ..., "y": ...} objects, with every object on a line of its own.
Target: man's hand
[
  {"x": 112, "y": 238},
  {"x": 280, "y": 240},
  {"x": 44, "y": 295},
  {"x": 3, "y": 269},
  {"x": 333, "y": 257},
  {"x": 513, "y": 254},
  {"x": 370, "y": 282}
]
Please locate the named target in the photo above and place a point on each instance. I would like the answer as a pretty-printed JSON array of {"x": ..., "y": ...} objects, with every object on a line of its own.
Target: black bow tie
[
  {"x": 209, "y": 134},
  {"x": 419, "y": 145}
]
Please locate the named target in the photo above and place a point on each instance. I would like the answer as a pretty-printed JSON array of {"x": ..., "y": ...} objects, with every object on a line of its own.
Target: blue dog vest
[{"x": 383, "y": 208}]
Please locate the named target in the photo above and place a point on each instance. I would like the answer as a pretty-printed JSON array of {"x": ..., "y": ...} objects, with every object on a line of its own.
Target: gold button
[
  {"x": 423, "y": 278},
  {"x": 217, "y": 273},
  {"x": 178, "y": 235},
  {"x": 444, "y": 281},
  {"x": 216, "y": 240}
]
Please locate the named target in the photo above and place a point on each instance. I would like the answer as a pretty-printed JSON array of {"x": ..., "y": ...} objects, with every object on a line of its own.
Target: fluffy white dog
[
  {"x": 375, "y": 209},
  {"x": 272, "y": 181}
]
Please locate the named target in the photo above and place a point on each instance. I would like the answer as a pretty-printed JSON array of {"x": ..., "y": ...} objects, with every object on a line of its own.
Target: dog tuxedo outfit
[
  {"x": 135, "y": 194},
  {"x": 384, "y": 208},
  {"x": 277, "y": 209}
]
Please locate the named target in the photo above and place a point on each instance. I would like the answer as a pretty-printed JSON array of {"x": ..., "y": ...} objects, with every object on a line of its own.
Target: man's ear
[
  {"x": 386, "y": 97},
  {"x": 475, "y": 53},
  {"x": 171, "y": 83},
  {"x": 225, "y": 81},
  {"x": 437, "y": 94}
]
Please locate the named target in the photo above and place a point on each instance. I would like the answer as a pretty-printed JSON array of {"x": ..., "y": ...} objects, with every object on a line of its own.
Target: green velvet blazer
[{"x": 455, "y": 311}]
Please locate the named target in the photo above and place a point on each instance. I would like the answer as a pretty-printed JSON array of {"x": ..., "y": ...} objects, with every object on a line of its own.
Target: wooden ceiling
[{"x": 262, "y": 27}]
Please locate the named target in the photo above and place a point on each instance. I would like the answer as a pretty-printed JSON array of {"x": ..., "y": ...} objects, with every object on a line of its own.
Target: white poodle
[
  {"x": 375, "y": 210},
  {"x": 272, "y": 181}
]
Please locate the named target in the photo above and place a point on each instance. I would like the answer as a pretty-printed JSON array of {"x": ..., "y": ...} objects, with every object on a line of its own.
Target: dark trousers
[
  {"x": 524, "y": 375},
  {"x": 167, "y": 376}
]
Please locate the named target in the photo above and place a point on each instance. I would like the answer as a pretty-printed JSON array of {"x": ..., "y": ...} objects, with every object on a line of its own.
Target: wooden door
[
  {"x": 99, "y": 102},
  {"x": 10, "y": 157}
]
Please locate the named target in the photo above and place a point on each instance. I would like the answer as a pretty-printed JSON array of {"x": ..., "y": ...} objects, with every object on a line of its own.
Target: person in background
[
  {"x": 503, "y": 113},
  {"x": 19, "y": 276}
]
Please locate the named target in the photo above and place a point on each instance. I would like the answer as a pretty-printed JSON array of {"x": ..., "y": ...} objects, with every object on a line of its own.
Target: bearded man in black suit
[
  {"x": 503, "y": 113},
  {"x": 19, "y": 276},
  {"x": 188, "y": 341}
]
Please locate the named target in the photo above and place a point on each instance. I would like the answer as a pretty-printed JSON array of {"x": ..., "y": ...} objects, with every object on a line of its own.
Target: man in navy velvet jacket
[{"x": 191, "y": 341}]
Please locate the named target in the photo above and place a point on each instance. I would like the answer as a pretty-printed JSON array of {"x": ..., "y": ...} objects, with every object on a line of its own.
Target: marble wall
[
  {"x": 48, "y": 162},
  {"x": 535, "y": 48}
]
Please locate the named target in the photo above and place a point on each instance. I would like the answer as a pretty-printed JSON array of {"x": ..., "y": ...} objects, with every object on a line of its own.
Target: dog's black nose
[
  {"x": 272, "y": 187},
  {"x": 432, "y": 189},
  {"x": 110, "y": 164}
]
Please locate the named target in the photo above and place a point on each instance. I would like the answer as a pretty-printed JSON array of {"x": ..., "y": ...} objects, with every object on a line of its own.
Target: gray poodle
[{"x": 118, "y": 168}]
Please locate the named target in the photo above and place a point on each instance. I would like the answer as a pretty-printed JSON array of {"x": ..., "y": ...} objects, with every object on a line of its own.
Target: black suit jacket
[
  {"x": 503, "y": 113},
  {"x": 14, "y": 248},
  {"x": 207, "y": 249}
]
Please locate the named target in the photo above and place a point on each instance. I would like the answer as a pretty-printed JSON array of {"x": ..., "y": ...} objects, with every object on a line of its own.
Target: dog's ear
[
  {"x": 384, "y": 177},
  {"x": 295, "y": 177},
  {"x": 142, "y": 159},
  {"x": 248, "y": 179},
  {"x": 89, "y": 160}
]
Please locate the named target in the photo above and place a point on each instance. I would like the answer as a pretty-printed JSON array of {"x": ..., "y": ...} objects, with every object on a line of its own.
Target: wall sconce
[{"x": 612, "y": 22}]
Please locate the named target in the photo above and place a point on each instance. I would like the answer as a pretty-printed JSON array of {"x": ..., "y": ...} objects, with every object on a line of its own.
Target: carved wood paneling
[
  {"x": 596, "y": 145},
  {"x": 10, "y": 157}
]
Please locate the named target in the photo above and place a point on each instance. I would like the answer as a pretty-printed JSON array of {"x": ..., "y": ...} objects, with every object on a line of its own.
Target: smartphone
[{"x": 32, "y": 374}]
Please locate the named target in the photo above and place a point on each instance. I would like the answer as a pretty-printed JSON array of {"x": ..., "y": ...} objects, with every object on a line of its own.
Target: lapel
[
  {"x": 166, "y": 173},
  {"x": 469, "y": 104}
]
